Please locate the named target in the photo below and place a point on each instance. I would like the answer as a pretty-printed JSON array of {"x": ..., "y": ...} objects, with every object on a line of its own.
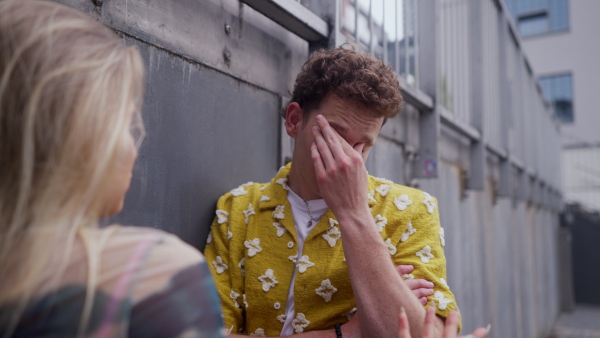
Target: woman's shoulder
[{"x": 148, "y": 246}]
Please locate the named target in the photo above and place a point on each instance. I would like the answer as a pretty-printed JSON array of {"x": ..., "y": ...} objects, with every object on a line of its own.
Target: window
[
  {"x": 535, "y": 17},
  {"x": 558, "y": 89},
  {"x": 533, "y": 24}
]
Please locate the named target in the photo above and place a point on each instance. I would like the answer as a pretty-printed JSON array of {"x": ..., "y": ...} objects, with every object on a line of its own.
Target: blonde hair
[{"x": 69, "y": 90}]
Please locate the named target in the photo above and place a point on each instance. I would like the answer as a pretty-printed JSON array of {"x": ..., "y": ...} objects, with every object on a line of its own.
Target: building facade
[{"x": 559, "y": 39}]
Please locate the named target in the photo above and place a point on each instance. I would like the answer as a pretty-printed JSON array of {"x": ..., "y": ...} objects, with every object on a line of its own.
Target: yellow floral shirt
[{"x": 252, "y": 249}]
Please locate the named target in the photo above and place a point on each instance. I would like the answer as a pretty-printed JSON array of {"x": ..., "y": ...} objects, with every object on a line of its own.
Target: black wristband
[{"x": 338, "y": 330}]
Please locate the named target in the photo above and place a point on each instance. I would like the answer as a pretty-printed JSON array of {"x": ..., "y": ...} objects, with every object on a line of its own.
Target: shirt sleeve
[
  {"x": 420, "y": 243},
  {"x": 226, "y": 270}
]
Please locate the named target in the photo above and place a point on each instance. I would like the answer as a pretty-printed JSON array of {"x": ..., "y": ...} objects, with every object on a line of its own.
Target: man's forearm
[{"x": 379, "y": 290}]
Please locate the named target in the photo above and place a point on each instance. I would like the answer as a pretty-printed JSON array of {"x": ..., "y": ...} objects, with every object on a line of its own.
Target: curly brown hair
[{"x": 349, "y": 74}]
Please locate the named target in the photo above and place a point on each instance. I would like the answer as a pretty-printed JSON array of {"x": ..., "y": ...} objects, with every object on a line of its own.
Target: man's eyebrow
[
  {"x": 339, "y": 128},
  {"x": 343, "y": 129}
]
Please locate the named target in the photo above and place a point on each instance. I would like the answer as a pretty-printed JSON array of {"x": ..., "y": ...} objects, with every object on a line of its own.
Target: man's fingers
[
  {"x": 403, "y": 329},
  {"x": 423, "y": 301},
  {"x": 480, "y": 333},
  {"x": 323, "y": 147},
  {"x": 333, "y": 139},
  {"x": 317, "y": 160},
  {"x": 422, "y": 292},
  {"x": 451, "y": 327},
  {"x": 404, "y": 269},
  {"x": 428, "y": 327},
  {"x": 418, "y": 284}
]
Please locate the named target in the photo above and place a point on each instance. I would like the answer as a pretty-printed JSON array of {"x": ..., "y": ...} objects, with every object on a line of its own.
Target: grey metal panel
[
  {"x": 196, "y": 118},
  {"x": 197, "y": 30},
  {"x": 429, "y": 123},
  {"x": 386, "y": 160}
]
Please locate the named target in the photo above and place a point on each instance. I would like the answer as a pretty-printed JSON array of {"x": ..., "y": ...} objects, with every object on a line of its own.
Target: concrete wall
[{"x": 575, "y": 51}]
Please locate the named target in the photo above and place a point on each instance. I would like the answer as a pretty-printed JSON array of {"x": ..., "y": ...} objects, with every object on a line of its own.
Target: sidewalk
[{"x": 584, "y": 322}]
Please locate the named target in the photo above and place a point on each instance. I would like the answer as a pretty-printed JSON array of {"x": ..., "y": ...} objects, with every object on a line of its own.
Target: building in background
[{"x": 560, "y": 38}]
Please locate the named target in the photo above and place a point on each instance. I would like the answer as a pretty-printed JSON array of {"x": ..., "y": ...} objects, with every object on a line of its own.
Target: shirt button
[
  {"x": 277, "y": 306},
  {"x": 290, "y": 244}
]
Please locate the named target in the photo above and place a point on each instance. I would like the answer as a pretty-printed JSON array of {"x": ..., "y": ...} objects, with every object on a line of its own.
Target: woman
[{"x": 70, "y": 97}]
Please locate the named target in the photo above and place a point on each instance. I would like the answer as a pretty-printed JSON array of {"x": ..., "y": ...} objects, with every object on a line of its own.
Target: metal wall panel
[{"x": 195, "y": 119}]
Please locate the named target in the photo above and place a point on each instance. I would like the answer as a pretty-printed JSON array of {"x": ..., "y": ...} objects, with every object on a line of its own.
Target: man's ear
[{"x": 294, "y": 119}]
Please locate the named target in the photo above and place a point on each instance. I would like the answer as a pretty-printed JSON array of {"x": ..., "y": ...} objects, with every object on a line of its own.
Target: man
[{"x": 307, "y": 251}]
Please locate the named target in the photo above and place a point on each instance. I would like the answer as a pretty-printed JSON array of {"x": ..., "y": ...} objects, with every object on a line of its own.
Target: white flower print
[
  {"x": 229, "y": 234},
  {"x": 425, "y": 254},
  {"x": 209, "y": 239},
  {"x": 380, "y": 222},
  {"x": 277, "y": 306},
  {"x": 253, "y": 247},
  {"x": 219, "y": 265},
  {"x": 349, "y": 314},
  {"x": 283, "y": 183},
  {"x": 244, "y": 300},
  {"x": 408, "y": 276},
  {"x": 278, "y": 212},
  {"x": 222, "y": 216},
  {"x": 332, "y": 236},
  {"x": 263, "y": 187},
  {"x": 442, "y": 301},
  {"x": 239, "y": 191},
  {"x": 442, "y": 237},
  {"x": 383, "y": 180},
  {"x": 249, "y": 212},
  {"x": 372, "y": 196},
  {"x": 429, "y": 202},
  {"x": 264, "y": 198},
  {"x": 300, "y": 323},
  {"x": 234, "y": 295},
  {"x": 247, "y": 184},
  {"x": 242, "y": 266},
  {"x": 281, "y": 318},
  {"x": 268, "y": 280},
  {"x": 280, "y": 229},
  {"x": 326, "y": 290},
  {"x": 409, "y": 231},
  {"x": 333, "y": 222},
  {"x": 390, "y": 246},
  {"x": 383, "y": 189},
  {"x": 259, "y": 333},
  {"x": 443, "y": 282},
  {"x": 303, "y": 263},
  {"x": 402, "y": 202}
]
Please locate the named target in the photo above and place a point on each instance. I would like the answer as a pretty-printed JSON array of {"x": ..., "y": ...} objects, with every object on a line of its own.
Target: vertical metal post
[
  {"x": 477, "y": 171},
  {"x": 371, "y": 30},
  {"x": 329, "y": 11},
  {"x": 429, "y": 121},
  {"x": 505, "y": 184},
  {"x": 397, "y": 42},
  {"x": 415, "y": 44}
]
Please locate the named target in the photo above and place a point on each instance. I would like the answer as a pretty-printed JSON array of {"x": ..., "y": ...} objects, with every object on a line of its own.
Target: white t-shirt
[{"x": 301, "y": 219}]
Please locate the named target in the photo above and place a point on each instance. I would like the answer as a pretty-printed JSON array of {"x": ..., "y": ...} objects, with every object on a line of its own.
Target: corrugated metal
[
  {"x": 491, "y": 74},
  {"x": 454, "y": 44}
]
